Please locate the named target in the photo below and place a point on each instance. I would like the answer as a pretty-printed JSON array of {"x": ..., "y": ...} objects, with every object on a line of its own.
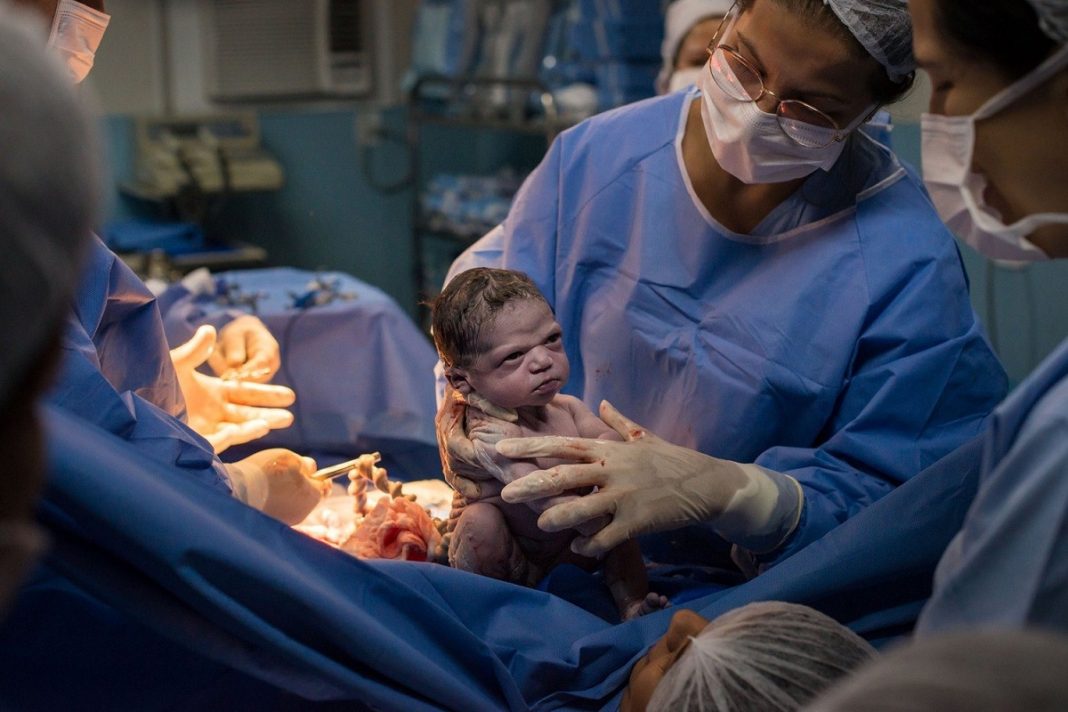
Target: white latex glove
[
  {"x": 648, "y": 485},
  {"x": 227, "y": 413},
  {"x": 473, "y": 477},
  {"x": 277, "y": 483},
  {"x": 246, "y": 351}
]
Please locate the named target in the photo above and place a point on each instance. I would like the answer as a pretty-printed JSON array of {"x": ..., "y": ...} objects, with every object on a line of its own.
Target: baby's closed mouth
[{"x": 547, "y": 384}]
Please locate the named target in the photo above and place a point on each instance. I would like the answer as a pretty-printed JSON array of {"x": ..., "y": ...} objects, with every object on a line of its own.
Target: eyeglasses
[{"x": 802, "y": 122}]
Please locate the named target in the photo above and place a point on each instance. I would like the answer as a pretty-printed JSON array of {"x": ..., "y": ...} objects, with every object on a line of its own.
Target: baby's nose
[{"x": 540, "y": 359}]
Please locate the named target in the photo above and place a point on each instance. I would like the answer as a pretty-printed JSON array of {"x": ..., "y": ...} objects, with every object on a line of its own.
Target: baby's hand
[{"x": 493, "y": 411}]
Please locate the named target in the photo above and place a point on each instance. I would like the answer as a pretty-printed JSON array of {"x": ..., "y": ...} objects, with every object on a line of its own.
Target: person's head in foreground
[
  {"x": 763, "y": 657},
  {"x": 497, "y": 337},
  {"x": 689, "y": 26},
  {"x": 991, "y": 671},
  {"x": 48, "y": 195},
  {"x": 995, "y": 152}
]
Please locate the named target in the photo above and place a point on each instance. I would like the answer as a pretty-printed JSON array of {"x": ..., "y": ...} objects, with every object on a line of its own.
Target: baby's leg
[
  {"x": 624, "y": 572},
  {"x": 483, "y": 544}
]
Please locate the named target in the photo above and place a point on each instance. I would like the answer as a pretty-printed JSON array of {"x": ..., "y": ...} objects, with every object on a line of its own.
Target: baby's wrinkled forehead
[{"x": 497, "y": 323}]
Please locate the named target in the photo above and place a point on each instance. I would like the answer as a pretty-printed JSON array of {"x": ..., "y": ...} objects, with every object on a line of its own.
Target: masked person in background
[
  {"x": 117, "y": 370},
  {"x": 995, "y": 160},
  {"x": 761, "y": 285},
  {"x": 48, "y": 195},
  {"x": 689, "y": 26}
]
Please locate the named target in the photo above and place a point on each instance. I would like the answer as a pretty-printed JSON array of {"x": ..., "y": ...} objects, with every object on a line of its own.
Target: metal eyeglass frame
[{"x": 716, "y": 45}]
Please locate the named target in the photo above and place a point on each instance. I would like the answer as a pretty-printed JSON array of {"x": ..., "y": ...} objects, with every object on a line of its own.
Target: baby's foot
[{"x": 651, "y": 603}]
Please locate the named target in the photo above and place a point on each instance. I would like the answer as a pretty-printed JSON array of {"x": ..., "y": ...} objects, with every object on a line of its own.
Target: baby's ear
[{"x": 457, "y": 378}]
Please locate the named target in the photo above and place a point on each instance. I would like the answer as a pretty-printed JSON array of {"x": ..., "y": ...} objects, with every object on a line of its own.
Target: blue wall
[{"x": 329, "y": 215}]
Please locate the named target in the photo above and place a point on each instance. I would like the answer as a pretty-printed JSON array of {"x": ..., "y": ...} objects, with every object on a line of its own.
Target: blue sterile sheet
[{"x": 161, "y": 592}]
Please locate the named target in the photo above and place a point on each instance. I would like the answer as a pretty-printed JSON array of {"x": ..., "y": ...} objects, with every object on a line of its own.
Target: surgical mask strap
[{"x": 1057, "y": 61}]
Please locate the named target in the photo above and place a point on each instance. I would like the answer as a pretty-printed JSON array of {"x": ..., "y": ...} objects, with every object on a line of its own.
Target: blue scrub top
[
  {"x": 835, "y": 343},
  {"x": 116, "y": 370},
  {"x": 1008, "y": 565}
]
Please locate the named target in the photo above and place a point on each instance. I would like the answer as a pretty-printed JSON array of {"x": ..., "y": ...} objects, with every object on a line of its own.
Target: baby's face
[{"x": 524, "y": 363}]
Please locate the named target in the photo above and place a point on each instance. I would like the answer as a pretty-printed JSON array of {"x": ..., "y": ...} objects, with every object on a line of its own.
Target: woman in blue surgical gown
[
  {"x": 759, "y": 284},
  {"x": 995, "y": 157}
]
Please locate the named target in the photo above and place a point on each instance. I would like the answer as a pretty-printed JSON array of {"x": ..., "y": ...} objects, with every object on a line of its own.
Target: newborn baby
[{"x": 501, "y": 346}]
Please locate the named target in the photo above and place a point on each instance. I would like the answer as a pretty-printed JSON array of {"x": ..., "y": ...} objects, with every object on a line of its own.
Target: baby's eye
[
  {"x": 553, "y": 338},
  {"x": 512, "y": 356}
]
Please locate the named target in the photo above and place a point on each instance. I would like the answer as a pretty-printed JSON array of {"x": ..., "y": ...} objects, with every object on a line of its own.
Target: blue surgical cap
[
  {"x": 883, "y": 28},
  {"x": 1053, "y": 18}
]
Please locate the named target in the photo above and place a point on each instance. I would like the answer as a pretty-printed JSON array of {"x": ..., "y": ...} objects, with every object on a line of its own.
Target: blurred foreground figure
[
  {"x": 967, "y": 672},
  {"x": 48, "y": 179},
  {"x": 118, "y": 372}
]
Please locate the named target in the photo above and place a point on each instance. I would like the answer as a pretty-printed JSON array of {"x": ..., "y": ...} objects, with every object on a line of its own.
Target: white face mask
[
  {"x": 749, "y": 143},
  {"x": 682, "y": 78},
  {"x": 958, "y": 192},
  {"x": 76, "y": 34}
]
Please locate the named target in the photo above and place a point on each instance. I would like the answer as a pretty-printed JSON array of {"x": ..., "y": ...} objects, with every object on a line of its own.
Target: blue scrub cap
[
  {"x": 883, "y": 28},
  {"x": 1053, "y": 18},
  {"x": 48, "y": 192}
]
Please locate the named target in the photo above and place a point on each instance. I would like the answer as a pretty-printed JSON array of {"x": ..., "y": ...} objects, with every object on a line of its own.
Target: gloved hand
[
  {"x": 246, "y": 351},
  {"x": 277, "y": 483},
  {"x": 648, "y": 485},
  {"x": 227, "y": 412},
  {"x": 472, "y": 476}
]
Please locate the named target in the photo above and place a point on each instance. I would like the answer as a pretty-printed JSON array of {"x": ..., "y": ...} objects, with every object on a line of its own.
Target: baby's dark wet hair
[{"x": 468, "y": 304}]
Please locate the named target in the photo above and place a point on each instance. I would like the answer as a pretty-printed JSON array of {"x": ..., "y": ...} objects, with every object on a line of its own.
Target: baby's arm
[
  {"x": 485, "y": 431},
  {"x": 588, "y": 424}
]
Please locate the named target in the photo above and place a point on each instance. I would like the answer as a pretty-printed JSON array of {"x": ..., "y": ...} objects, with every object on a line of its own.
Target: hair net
[
  {"x": 968, "y": 672},
  {"x": 1053, "y": 18},
  {"x": 883, "y": 28},
  {"x": 769, "y": 656},
  {"x": 48, "y": 184},
  {"x": 682, "y": 15}
]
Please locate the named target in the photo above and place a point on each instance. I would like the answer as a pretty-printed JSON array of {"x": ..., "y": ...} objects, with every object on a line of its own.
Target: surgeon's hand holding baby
[{"x": 646, "y": 484}]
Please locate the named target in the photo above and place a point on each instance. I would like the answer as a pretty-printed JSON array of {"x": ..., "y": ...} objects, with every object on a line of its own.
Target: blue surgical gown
[
  {"x": 116, "y": 369},
  {"x": 1008, "y": 565},
  {"x": 835, "y": 343}
]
